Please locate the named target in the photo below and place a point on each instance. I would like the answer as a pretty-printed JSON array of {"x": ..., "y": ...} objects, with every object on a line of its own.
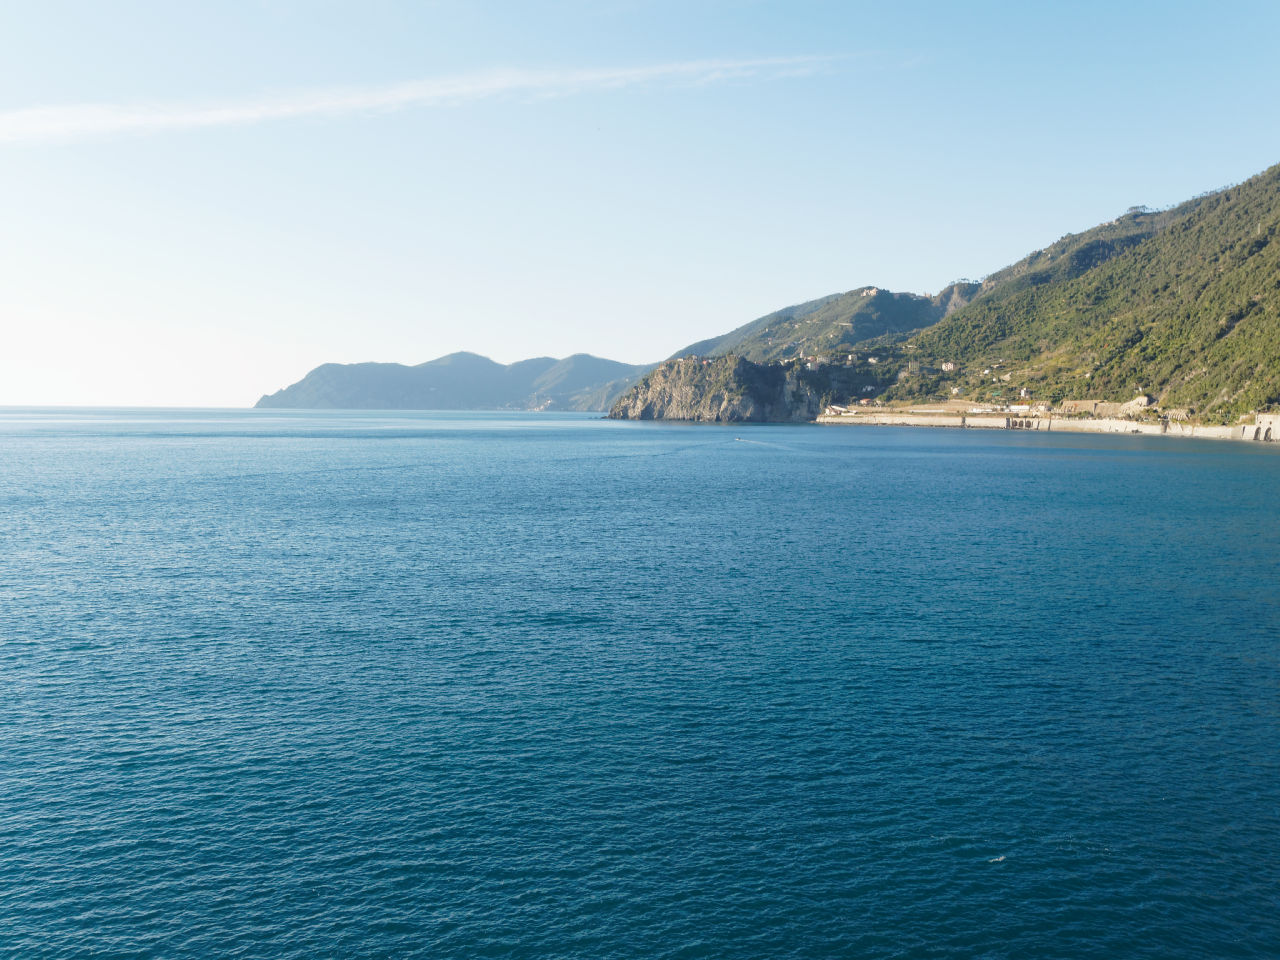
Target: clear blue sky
[{"x": 202, "y": 203}]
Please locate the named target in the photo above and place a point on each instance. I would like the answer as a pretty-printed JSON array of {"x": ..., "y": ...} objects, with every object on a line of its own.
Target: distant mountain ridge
[{"x": 461, "y": 381}]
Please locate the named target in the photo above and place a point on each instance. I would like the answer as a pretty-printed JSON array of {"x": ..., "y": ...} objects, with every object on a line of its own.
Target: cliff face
[{"x": 720, "y": 390}]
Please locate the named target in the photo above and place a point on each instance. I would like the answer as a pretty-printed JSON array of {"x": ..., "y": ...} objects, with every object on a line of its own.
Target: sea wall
[
  {"x": 899, "y": 420},
  {"x": 1062, "y": 425},
  {"x": 1265, "y": 427},
  {"x": 1161, "y": 428}
]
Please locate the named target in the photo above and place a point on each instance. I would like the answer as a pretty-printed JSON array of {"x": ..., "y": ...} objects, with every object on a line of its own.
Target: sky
[{"x": 201, "y": 202}]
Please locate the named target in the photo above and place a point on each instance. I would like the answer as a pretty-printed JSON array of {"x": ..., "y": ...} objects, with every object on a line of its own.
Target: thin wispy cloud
[{"x": 80, "y": 121}]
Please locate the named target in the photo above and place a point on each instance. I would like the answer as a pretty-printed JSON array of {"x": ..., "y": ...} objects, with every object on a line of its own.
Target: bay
[{"x": 526, "y": 685}]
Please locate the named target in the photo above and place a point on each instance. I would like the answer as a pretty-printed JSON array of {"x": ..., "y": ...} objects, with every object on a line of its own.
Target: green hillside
[
  {"x": 833, "y": 323},
  {"x": 1183, "y": 305},
  {"x": 1180, "y": 304},
  {"x": 869, "y": 316}
]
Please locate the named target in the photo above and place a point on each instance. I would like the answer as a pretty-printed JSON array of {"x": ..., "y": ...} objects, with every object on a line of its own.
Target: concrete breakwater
[{"x": 1266, "y": 429}]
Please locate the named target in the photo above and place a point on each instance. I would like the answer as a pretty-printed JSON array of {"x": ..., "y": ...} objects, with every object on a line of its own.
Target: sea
[{"x": 515, "y": 685}]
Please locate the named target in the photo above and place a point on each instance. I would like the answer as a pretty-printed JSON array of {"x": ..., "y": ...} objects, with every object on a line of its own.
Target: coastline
[{"x": 1263, "y": 431}]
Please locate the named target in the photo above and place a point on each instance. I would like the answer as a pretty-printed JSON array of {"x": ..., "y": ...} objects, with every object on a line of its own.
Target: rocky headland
[{"x": 721, "y": 390}]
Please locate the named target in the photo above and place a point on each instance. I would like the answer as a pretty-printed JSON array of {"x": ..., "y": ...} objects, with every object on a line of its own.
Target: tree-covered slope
[
  {"x": 461, "y": 381},
  {"x": 1183, "y": 305},
  {"x": 833, "y": 323}
]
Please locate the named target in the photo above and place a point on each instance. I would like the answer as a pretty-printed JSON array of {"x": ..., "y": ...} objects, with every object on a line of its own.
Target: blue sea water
[{"x": 308, "y": 685}]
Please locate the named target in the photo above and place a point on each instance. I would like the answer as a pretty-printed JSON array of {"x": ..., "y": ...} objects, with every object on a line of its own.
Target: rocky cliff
[{"x": 722, "y": 390}]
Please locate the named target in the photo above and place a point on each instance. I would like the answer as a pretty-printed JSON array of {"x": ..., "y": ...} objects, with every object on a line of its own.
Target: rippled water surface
[{"x": 443, "y": 685}]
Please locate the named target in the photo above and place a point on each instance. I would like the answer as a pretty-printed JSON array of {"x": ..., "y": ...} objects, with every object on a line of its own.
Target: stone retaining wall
[{"x": 1257, "y": 431}]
